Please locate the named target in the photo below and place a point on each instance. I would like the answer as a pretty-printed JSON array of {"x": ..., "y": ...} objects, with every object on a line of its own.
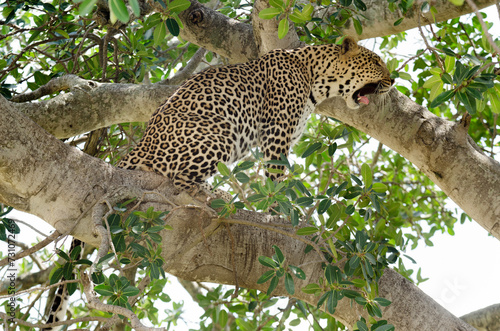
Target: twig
[
  {"x": 40, "y": 288},
  {"x": 483, "y": 25},
  {"x": 95, "y": 303},
  {"x": 55, "y": 235},
  {"x": 187, "y": 70},
  {"x": 41, "y": 326},
  {"x": 29, "y": 226},
  {"x": 53, "y": 86}
]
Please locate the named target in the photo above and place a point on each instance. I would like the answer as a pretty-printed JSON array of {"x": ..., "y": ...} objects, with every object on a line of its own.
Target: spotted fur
[{"x": 218, "y": 114}]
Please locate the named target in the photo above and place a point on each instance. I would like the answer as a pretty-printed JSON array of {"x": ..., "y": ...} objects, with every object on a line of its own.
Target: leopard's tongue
[{"x": 363, "y": 99}]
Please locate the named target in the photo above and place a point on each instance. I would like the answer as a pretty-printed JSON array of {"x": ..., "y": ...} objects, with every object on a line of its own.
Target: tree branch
[
  {"x": 441, "y": 149},
  {"x": 487, "y": 318},
  {"x": 233, "y": 40},
  {"x": 91, "y": 105}
]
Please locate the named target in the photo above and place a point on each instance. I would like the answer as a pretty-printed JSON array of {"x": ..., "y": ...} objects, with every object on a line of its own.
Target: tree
[{"x": 78, "y": 80}]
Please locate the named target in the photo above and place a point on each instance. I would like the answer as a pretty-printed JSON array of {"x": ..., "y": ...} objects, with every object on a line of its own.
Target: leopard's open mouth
[{"x": 359, "y": 96}]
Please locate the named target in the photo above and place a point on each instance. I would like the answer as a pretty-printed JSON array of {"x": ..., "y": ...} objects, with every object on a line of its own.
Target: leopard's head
[{"x": 354, "y": 73}]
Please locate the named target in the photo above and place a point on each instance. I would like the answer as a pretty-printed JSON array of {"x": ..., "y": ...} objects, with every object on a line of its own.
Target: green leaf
[
  {"x": 305, "y": 201},
  {"x": 289, "y": 285},
  {"x": 11, "y": 225},
  {"x": 357, "y": 26},
  {"x": 296, "y": 16},
  {"x": 379, "y": 187},
  {"x": 272, "y": 285},
  {"x": 268, "y": 262},
  {"x": 468, "y": 101},
  {"x": 130, "y": 291},
  {"x": 266, "y": 276},
  {"x": 308, "y": 230},
  {"x": 449, "y": 63},
  {"x": 223, "y": 317},
  {"x": 398, "y": 21},
  {"x": 86, "y": 7},
  {"x": 333, "y": 274},
  {"x": 360, "y": 5},
  {"x": 324, "y": 205},
  {"x": 62, "y": 33},
  {"x": 56, "y": 275},
  {"x": 277, "y": 3},
  {"x": 269, "y": 13},
  {"x": 118, "y": 8},
  {"x": 457, "y": 3},
  {"x": 299, "y": 273},
  {"x": 433, "y": 80},
  {"x": 314, "y": 147},
  {"x": 242, "y": 177},
  {"x": 172, "y": 26},
  {"x": 177, "y": 6},
  {"x": 383, "y": 302},
  {"x": 331, "y": 303},
  {"x": 374, "y": 310},
  {"x": 279, "y": 255},
  {"x": 385, "y": 327},
  {"x": 362, "y": 326},
  {"x": 63, "y": 255},
  {"x": 75, "y": 252},
  {"x": 436, "y": 90},
  {"x": 494, "y": 102},
  {"x": 134, "y": 4},
  {"x": 106, "y": 258},
  {"x": 443, "y": 97},
  {"x": 283, "y": 27},
  {"x": 223, "y": 169},
  {"x": 311, "y": 288},
  {"x": 159, "y": 33},
  {"x": 217, "y": 203},
  {"x": 104, "y": 290},
  {"x": 366, "y": 173}
]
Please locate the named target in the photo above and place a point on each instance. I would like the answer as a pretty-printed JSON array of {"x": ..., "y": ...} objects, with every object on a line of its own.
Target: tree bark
[
  {"x": 441, "y": 149},
  {"x": 236, "y": 41},
  {"x": 484, "y": 319}
]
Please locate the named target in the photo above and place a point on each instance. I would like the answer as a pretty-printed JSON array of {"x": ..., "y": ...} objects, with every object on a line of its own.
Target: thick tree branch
[
  {"x": 233, "y": 40},
  {"x": 266, "y": 31},
  {"x": 378, "y": 20},
  {"x": 90, "y": 105},
  {"x": 441, "y": 149},
  {"x": 487, "y": 318}
]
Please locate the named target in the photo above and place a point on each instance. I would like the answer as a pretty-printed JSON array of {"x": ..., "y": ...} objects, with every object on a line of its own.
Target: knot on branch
[
  {"x": 196, "y": 16},
  {"x": 426, "y": 133}
]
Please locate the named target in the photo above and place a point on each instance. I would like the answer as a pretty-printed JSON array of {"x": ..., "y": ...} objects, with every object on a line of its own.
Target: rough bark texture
[
  {"x": 233, "y": 40},
  {"x": 236, "y": 40},
  {"x": 378, "y": 20},
  {"x": 486, "y": 319},
  {"x": 266, "y": 31},
  {"x": 441, "y": 149},
  {"x": 93, "y": 105}
]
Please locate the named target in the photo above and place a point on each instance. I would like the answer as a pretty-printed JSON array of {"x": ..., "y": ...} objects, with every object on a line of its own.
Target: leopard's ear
[{"x": 349, "y": 47}]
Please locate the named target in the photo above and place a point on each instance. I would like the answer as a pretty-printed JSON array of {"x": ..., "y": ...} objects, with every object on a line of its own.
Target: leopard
[{"x": 219, "y": 114}]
